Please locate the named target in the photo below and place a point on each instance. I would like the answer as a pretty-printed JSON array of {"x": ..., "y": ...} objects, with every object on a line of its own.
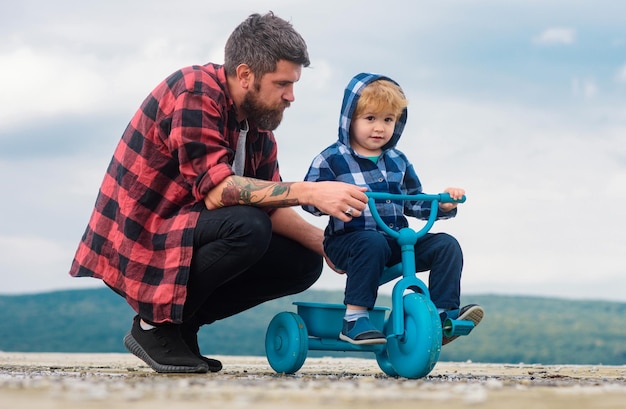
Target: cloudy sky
[{"x": 521, "y": 102}]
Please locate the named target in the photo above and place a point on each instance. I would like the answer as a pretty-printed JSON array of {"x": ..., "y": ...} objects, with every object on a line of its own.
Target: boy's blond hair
[{"x": 381, "y": 96}]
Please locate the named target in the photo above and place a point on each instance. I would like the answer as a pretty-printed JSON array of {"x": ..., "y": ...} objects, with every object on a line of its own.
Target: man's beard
[{"x": 264, "y": 116}]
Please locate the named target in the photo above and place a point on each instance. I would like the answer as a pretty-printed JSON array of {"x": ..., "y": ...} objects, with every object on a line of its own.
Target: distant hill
[{"x": 515, "y": 329}]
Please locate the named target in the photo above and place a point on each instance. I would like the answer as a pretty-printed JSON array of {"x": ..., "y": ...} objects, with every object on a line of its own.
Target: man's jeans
[{"x": 239, "y": 263}]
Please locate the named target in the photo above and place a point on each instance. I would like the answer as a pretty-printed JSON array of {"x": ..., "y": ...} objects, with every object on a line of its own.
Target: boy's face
[{"x": 371, "y": 131}]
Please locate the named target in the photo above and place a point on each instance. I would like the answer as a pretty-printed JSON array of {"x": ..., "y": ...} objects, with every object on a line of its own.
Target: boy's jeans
[{"x": 365, "y": 254}]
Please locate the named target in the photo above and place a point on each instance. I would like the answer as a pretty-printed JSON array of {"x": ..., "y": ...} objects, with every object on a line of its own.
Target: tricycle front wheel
[
  {"x": 415, "y": 354},
  {"x": 382, "y": 358}
]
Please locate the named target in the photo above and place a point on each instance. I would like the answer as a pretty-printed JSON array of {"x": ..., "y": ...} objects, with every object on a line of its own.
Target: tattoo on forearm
[
  {"x": 249, "y": 191},
  {"x": 280, "y": 188}
]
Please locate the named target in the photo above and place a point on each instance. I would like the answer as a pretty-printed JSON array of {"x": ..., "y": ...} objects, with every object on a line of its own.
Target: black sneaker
[
  {"x": 163, "y": 349},
  {"x": 361, "y": 332},
  {"x": 471, "y": 312},
  {"x": 190, "y": 337}
]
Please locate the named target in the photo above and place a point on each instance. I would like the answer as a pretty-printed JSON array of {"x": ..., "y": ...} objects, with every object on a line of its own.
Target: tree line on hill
[{"x": 515, "y": 329}]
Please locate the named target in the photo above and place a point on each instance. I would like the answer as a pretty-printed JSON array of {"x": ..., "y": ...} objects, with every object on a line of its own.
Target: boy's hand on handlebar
[
  {"x": 341, "y": 200},
  {"x": 455, "y": 193}
]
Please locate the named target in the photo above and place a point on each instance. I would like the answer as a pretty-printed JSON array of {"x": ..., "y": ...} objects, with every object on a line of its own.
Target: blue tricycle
[{"x": 413, "y": 327}]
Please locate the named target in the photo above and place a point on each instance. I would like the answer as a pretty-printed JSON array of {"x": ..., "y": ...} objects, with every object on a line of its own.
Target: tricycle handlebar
[
  {"x": 440, "y": 197},
  {"x": 434, "y": 199}
]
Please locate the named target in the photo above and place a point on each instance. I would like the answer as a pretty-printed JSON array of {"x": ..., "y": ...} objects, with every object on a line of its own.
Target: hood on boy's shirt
[{"x": 351, "y": 96}]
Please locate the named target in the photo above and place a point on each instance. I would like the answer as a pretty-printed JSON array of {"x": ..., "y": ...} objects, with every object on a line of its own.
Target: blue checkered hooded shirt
[{"x": 391, "y": 173}]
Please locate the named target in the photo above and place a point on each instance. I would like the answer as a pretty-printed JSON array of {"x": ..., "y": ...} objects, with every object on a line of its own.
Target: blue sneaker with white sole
[{"x": 361, "y": 332}]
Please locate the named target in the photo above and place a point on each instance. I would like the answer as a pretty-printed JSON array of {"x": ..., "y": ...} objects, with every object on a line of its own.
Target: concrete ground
[{"x": 68, "y": 381}]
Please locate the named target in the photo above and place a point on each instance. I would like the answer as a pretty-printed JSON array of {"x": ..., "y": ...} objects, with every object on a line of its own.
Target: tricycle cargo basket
[{"x": 325, "y": 320}]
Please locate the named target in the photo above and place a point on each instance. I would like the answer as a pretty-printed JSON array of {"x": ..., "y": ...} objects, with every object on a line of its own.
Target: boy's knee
[
  {"x": 447, "y": 240},
  {"x": 446, "y": 246},
  {"x": 372, "y": 244}
]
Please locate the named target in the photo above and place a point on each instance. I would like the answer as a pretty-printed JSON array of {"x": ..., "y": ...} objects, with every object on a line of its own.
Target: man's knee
[
  {"x": 251, "y": 221},
  {"x": 306, "y": 270},
  {"x": 314, "y": 268}
]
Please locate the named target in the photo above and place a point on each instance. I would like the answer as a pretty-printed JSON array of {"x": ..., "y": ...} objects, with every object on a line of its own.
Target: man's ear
[{"x": 245, "y": 76}]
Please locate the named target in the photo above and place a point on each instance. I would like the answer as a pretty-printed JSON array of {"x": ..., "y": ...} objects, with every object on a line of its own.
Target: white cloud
[
  {"x": 621, "y": 75},
  {"x": 44, "y": 83},
  {"x": 556, "y": 35},
  {"x": 615, "y": 188},
  {"x": 34, "y": 265},
  {"x": 38, "y": 83},
  {"x": 586, "y": 88}
]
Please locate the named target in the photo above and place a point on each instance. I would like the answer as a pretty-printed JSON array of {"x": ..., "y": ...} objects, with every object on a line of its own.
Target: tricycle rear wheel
[{"x": 286, "y": 342}]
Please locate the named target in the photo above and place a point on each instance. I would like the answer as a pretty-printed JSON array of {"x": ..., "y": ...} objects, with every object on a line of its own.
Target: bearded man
[{"x": 192, "y": 222}]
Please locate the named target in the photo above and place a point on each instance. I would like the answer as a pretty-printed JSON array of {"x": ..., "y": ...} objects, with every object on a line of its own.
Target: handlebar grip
[
  {"x": 439, "y": 197},
  {"x": 445, "y": 198}
]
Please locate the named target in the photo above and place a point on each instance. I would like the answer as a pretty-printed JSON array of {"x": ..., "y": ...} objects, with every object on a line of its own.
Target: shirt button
[
  {"x": 380, "y": 179},
  {"x": 387, "y": 201},
  {"x": 391, "y": 225}
]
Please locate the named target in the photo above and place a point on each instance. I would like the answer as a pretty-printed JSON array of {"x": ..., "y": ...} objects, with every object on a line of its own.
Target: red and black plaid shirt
[{"x": 179, "y": 145}]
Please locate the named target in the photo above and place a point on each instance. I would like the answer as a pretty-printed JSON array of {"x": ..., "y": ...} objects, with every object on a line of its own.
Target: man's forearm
[
  {"x": 238, "y": 190},
  {"x": 337, "y": 199},
  {"x": 287, "y": 222}
]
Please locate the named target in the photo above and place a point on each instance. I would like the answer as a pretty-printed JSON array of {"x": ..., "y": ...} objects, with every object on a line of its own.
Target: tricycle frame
[{"x": 413, "y": 328}]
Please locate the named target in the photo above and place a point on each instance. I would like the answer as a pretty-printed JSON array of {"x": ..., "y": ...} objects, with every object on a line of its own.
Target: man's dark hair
[{"x": 262, "y": 41}]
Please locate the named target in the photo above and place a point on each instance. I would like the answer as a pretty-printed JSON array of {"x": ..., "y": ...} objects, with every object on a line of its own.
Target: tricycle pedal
[{"x": 455, "y": 328}]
